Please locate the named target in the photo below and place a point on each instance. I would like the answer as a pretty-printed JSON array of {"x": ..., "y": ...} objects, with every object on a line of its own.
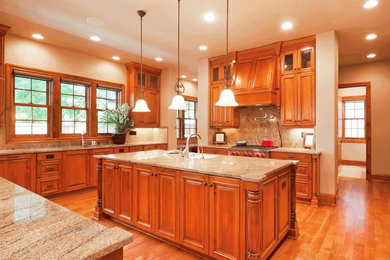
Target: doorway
[{"x": 354, "y": 130}]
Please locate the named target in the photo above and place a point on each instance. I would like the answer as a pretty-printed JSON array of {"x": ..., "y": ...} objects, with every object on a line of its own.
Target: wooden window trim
[
  {"x": 182, "y": 139},
  {"x": 349, "y": 139},
  {"x": 54, "y": 110},
  {"x": 118, "y": 99}
]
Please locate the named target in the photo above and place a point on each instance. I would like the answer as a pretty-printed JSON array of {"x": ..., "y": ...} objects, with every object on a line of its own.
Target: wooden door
[
  {"x": 289, "y": 62},
  {"x": 152, "y": 98},
  {"x": 225, "y": 218},
  {"x": 94, "y": 164},
  {"x": 305, "y": 58},
  {"x": 19, "y": 169},
  {"x": 124, "y": 188},
  {"x": 269, "y": 218},
  {"x": 194, "y": 213},
  {"x": 243, "y": 80},
  {"x": 75, "y": 170},
  {"x": 288, "y": 100},
  {"x": 167, "y": 211},
  {"x": 306, "y": 99},
  {"x": 143, "y": 197},
  {"x": 262, "y": 79},
  {"x": 109, "y": 184},
  {"x": 215, "y": 111},
  {"x": 284, "y": 199}
]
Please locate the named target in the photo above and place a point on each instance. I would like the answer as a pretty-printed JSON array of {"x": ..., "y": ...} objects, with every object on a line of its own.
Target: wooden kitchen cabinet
[
  {"x": 152, "y": 118},
  {"x": 49, "y": 173},
  {"x": 298, "y": 60},
  {"x": 149, "y": 147},
  {"x": 75, "y": 170},
  {"x": 19, "y": 169},
  {"x": 93, "y": 164},
  {"x": 122, "y": 149},
  {"x": 222, "y": 117},
  {"x": 213, "y": 150},
  {"x": 162, "y": 146}
]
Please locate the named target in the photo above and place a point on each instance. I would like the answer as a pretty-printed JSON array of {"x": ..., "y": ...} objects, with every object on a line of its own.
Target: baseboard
[
  {"x": 353, "y": 163},
  {"x": 329, "y": 199},
  {"x": 380, "y": 177}
]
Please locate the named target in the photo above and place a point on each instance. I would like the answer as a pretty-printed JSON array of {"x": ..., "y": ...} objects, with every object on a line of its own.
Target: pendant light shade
[
  {"x": 141, "y": 105},
  {"x": 178, "y": 103},
  {"x": 226, "y": 98}
]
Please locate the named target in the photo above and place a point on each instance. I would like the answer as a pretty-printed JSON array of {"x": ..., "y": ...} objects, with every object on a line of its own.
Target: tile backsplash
[{"x": 254, "y": 129}]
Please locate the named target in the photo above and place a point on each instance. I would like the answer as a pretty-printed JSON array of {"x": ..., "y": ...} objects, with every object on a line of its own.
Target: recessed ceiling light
[
  {"x": 95, "y": 21},
  {"x": 371, "y": 55},
  {"x": 38, "y": 36},
  {"x": 116, "y": 58},
  {"x": 159, "y": 59},
  {"x": 195, "y": 79},
  {"x": 203, "y": 47},
  {"x": 209, "y": 17},
  {"x": 95, "y": 38},
  {"x": 371, "y": 36},
  {"x": 370, "y": 4},
  {"x": 287, "y": 26},
  {"x": 183, "y": 76}
]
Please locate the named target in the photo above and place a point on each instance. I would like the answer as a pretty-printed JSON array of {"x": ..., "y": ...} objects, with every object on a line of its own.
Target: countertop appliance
[{"x": 257, "y": 151}]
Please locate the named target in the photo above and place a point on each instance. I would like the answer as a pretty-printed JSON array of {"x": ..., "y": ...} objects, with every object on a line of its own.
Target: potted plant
[{"x": 121, "y": 120}]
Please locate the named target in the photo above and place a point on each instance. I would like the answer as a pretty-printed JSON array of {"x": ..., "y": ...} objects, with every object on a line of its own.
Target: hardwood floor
[{"x": 358, "y": 228}]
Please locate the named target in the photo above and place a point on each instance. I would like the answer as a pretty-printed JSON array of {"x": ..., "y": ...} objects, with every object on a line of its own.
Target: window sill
[{"x": 354, "y": 140}]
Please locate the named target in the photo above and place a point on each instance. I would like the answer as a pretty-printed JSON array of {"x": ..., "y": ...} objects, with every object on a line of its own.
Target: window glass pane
[
  {"x": 66, "y": 101},
  {"x": 101, "y": 92},
  {"x": 349, "y": 114},
  {"x": 100, "y": 115},
  {"x": 361, "y": 133},
  {"x": 67, "y": 127},
  {"x": 23, "y": 83},
  {"x": 40, "y": 113},
  {"x": 80, "y": 127},
  {"x": 38, "y": 98},
  {"x": 111, "y": 128},
  {"x": 67, "y": 114},
  {"x": 39, "y": 127},
  {"x": 23, "y": 113},
  {"x": 111, "y": 94},
  {"x": 79, "y": 90},
  {"x": 80, "y": 115},
  {"x": 39, "y": 85},
  {"x": 348, "y": 123},
  {"x": 359, "y": 113},
  {"x": 359, "y": 104},
  {"x": 79, "y": 102},
  {"x": 354, "y": 123},
  {"x": 102, "y": 128},
  {"x": 111, "y": 104},
  {"x": 101, "y": 103},
  {"x": 22, "y": 96},
  {"x": 361, "y": 123},
  {"x": 66, "y": 88},
  {"x": 349, "y": 105},
  {"x": 348, "y": 133},
  {"x": 23, "y": 127},
  {"x": 354, "y": 133}
]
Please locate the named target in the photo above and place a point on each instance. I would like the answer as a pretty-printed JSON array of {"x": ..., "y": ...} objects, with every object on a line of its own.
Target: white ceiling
[{"x": 252, "y": 23}]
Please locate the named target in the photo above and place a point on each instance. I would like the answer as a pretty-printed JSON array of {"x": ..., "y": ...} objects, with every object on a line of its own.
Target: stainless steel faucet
[
  {"x": 82, "y": 138},
  {"x": 186, "y": 152}
]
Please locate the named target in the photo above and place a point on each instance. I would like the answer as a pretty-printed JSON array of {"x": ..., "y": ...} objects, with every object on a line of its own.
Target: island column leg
[
  {"x": 294, "y": 231},
  {"x": 315, "y": 200},
  {"x": 98, "y": 214},
  {"x": 254, "y": 224}
]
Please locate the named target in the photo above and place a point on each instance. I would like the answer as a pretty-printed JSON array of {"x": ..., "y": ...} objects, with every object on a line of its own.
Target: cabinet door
[
  {"x": 167, "y": 222},
  {"x": 124, "y": 189},
  {"x": 152, "y": 118},
  {"x": 75, "y": 170},
  {"x": 109, "y": 182},
  {"x": 143, "y": 197},
  {"x": 153, "y": 81},
  {"x": 289, "y": 62},
  {"x": 243, "y": 81},
  {"x": 284, "y": 200},
  {"x": 224, "y": 218},
  {"x": 306, "y": 99},
  {"x": 263, "y": 74},
  {"x": 288, "y": 100},
  {"x": 19, "y": 169},
  {"x": 216, "y": 111},
  {"x": 194, "y": 212},
  {"x": 269, "y": 220},
  {"x": 217, "y": 73},
  {"x": 306, "y": 60},
  {"x": 94, "y": 164}
]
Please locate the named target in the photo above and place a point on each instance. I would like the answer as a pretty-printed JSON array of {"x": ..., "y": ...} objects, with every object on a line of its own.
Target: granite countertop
[
  {"x": 32, "y": 227},
  {"x": 72, "y": 148},
  {"x": 248, "y": 169},
  {"x": 295, "y": 150}
]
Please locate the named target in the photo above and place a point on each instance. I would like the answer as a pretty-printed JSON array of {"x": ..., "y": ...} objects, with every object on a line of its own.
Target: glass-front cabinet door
[
  {"x": 153, "y": 81},
  {"x": 289, "y": 64},
  {"x": 306, "y": 59}
]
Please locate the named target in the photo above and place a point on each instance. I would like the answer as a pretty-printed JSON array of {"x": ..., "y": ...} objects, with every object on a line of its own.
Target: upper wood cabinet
[
  {"x": 19, "y": 169},
  {"x": 152, "y": 79},
  {"x": 300, "y": 60},
  {"x": 222, "y": 116}
]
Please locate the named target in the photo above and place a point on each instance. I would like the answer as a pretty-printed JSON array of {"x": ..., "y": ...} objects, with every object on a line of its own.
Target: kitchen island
[
  {"x": 32, "y": 227},
  {"x": 222, "y": 207}
]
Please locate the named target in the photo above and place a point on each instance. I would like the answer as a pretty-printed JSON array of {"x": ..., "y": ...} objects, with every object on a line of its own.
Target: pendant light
[
  {"x": 226, "y": 98},
  {"x": 178, "y": 102},
  {"x": 141, "y": 105}
]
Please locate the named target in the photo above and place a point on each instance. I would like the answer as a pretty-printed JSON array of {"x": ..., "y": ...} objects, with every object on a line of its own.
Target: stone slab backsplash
[{"x": 254, "y": 129}]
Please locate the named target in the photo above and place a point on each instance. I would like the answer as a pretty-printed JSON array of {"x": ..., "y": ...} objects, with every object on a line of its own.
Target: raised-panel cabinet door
[
  {"x": 194, "y": 214},
  {"x": 143, "y": 197},
  {"x": 167, "y": 222},
  {"x": 224, "y": 218},
  {"x": 243, "y": 80},
  {"x": 216, "y": 111},
  {"x": 94, "y": 164},
  {"x": 19, "y": 169},
  {"x": 269, "y": 220},
  {"x": 263, "y": 74},
  {"x": 152, "y": 98},
  {"x": 124, "y": 189},
  {"x": 284, "y": 204},
  {"x": 306, "y": 99},
  {"x": 288, "y": 100},
  {"x": 109, "y": 191},
  {"x": 75, "y": 170}
]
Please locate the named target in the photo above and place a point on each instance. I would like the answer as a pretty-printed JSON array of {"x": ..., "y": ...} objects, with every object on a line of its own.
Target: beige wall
[
  {"x": 326, "y": 108},
  {"x": 378, "y": 73},
  {"x": 191, "y": 88}
]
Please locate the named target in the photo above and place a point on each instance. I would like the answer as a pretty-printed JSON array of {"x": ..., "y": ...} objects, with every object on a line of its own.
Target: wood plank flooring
[{"x": 358, "y": 228}]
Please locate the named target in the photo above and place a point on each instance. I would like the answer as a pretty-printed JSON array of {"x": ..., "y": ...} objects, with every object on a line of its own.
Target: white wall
[
  {"x": 378, "y": 73},
  {"x": 203, "y": 100},
  {"x": 326, "y": 108}
]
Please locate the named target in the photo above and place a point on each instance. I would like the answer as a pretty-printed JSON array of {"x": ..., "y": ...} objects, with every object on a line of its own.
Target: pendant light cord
[
  {"x": 227, "y": 70},
  {"x": 178, "y": 40},
  {"x": 141, "y": 92}
]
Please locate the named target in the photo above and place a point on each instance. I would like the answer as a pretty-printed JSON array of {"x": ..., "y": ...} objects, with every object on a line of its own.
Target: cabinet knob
[
  {"x": 205, "y": 183},
  {"x": 210, "y": 185}
]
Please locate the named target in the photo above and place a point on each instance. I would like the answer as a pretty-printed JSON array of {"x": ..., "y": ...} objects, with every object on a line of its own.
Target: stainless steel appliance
[{"x": 257, "y": 151}]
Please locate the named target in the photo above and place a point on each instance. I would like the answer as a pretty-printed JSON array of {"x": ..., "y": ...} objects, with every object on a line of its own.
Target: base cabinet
[
  {"x": 76, "y": 170},
  {"x": 19, "y": 169},
  {"x": 93, "y": 164}
]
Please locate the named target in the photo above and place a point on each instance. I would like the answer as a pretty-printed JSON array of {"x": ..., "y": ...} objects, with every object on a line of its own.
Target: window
[
  {"x": 353, "y": 118},
  {"x": 106, "y": 99},
  {"x": 31, "y": 105},
  {"x": 186, "y": 122},
  {"x": 73, "y": 108}
]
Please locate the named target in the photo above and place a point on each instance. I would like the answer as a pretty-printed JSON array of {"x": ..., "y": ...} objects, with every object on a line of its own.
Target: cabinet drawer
[
  {"x": 49, "y": 156},
  {"x": 304, "y": 170},
  {"x": 136, "y": 148},
  {"x": 121, "y": 150},
  {"x": 49, "y": 168},
  {"x": 149, "y": 147},
  {"x": 162, "y": 146},
  {"x": 303, "y": 188},
  {"x": 291, "y": 156},
  {"x": 215, "y": 151},
  {"x": 49, "y": 186}
]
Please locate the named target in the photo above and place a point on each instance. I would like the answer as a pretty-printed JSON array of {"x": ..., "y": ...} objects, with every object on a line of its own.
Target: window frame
[
  {"x": 353, "y": 139},
  {"x": 119, "y": 95},
  {"x": 181, "y": 117}
]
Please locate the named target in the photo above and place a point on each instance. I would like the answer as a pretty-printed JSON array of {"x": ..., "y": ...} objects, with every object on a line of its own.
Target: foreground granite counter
[
  {"x": 32, "y": 227},
  {"x": 248, "y": 169},
  {"x": 295, "y": 150}
]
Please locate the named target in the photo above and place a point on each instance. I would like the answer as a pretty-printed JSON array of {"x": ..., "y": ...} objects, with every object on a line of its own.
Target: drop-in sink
[{"x": 199, "y": 156}]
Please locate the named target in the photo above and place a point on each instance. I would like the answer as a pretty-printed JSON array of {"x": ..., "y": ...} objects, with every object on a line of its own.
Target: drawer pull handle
[
  {"x": 121, "y": 150},
  {"x": 284, "y": 184},
  {"x": 50, "y": 169},
  {"x": 50, "y": 186},
  {"x": 49, "y": 156}
]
